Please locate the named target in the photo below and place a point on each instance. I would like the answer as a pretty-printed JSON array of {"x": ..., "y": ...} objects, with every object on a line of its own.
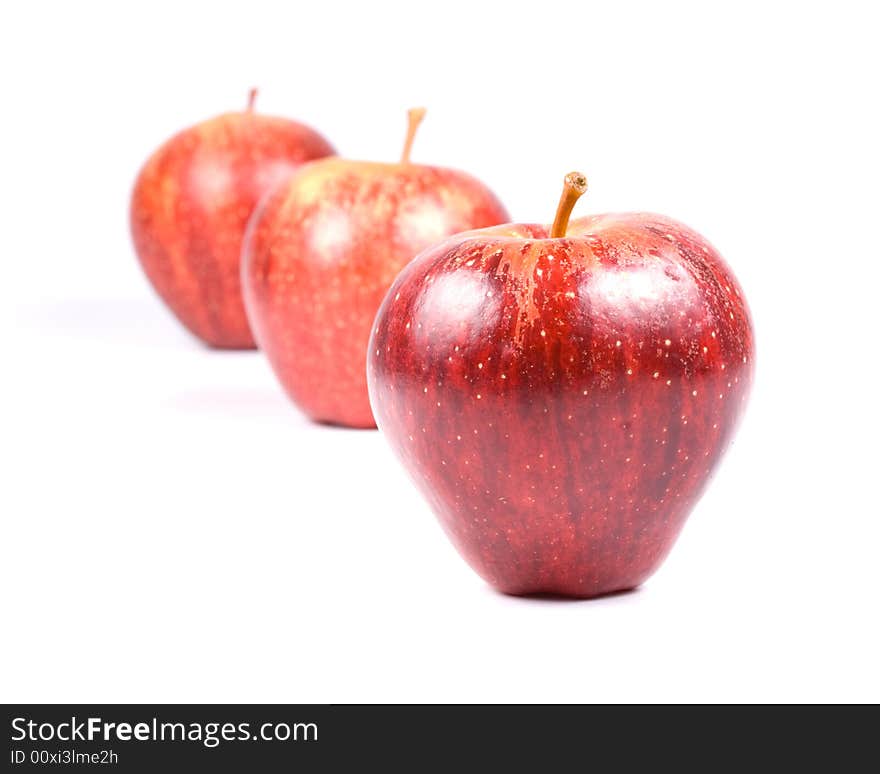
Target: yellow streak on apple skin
[
  {"x": 521, "y": 246},
  {"x": 521, "y": 268}
]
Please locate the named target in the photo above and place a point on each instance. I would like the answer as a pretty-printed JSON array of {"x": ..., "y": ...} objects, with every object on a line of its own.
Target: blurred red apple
[
  {"x": 190, "y": 207},
  {"x": 562, "y": 396},
  {"x": 323, "y": 250}
]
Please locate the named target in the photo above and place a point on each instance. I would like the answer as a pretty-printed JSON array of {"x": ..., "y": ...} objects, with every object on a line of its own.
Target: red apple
[
  {"x": 321, "y": 254},
  {"x": 562, "y": 396},
  {"x": 190, "y": 207}
]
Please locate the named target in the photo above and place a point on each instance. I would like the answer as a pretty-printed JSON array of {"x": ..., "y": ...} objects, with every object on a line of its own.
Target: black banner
[{"x": 256, "y": 738}]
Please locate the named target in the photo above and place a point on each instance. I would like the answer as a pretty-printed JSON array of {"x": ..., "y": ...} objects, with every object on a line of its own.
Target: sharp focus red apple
[
  {"x": 190, "y": 207},
  {"x": 562, "y": 397},
  {"x": 323, "y": 250}
]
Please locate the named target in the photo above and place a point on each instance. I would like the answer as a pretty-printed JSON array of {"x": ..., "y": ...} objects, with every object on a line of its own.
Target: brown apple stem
[
  {"x": 415, "y": 116},
  {"x": 252, "y": 98},
  {"x": 574, "y": 186}
]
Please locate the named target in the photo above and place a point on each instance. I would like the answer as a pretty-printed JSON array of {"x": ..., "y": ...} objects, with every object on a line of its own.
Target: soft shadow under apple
[{"x": 561, "y": 599}]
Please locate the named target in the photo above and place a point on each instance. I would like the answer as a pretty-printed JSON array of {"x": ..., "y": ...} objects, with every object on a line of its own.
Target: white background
[{"x": 173, "y": 530}]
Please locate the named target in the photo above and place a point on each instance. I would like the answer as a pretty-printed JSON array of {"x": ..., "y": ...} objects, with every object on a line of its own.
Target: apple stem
[
  {"x": 574, "y": 186},
  {"x": 252, "y": 98},
  {"x": 415, "y": 116}
]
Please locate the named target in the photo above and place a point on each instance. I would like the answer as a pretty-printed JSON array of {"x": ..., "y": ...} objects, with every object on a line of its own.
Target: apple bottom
[
  {"x": 346, "y": 422},
  {"x": 210, "y": 307},
  {"x": 347, "y": 414},
  {"x": 329, "y": 391},
  {"x": 221, "y": 339},
  {"x": 227, "y": 345},
  {"x": 527, "y": 589},
  {"x": 590, "y": 571}
]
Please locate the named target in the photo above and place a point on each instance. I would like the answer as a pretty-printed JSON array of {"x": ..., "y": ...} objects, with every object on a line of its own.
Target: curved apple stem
[
  {"x": 415, "y": 116},
  {"x": 574, "y": 186},
  {"x": 252, "y": 98}
]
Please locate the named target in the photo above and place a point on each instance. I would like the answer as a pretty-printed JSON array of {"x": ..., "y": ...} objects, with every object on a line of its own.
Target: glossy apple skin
[
  {"x": 321, "y": 254},
  {"x": 190, "y": 207},
  {"x": 562, "y": 403}
]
